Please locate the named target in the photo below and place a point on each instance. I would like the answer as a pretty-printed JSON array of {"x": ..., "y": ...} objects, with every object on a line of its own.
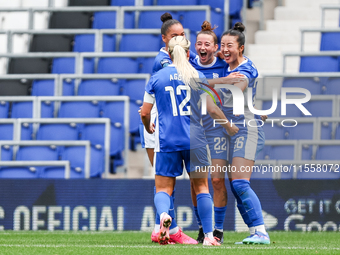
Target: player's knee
[
  {"x": 200, "y": 185},
  {"x": 218, "y": 184},
  {"x": 240, "y": 186}
]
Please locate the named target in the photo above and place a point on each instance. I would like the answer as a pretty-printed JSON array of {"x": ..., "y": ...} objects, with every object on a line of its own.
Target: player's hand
[
  {"x": 233, "y": 78},
  {"x": 151, "y": 128},
  {"x": 264, "y": 118},
  {"x": 232, "y": 130}
]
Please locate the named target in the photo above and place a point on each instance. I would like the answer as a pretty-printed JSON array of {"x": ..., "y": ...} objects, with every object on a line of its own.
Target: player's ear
[
  {"x": 163, "y": 38},
  {"x": 241, "y": 49}
]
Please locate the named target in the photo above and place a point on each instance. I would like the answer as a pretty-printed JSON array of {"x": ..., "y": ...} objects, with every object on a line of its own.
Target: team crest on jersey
[
  {"x": 215, "y": 76},
  {"x": 165, "y": 62}
]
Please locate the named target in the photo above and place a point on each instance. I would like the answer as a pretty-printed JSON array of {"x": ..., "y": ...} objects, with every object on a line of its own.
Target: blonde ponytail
[{"x": 178, "y": 48}]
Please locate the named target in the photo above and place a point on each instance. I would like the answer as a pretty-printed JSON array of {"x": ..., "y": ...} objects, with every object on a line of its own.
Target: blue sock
[
  {"x": 172, "y": 212},
  {"x": 241, "y": 208},
  {"x": 219, "y": 216},
  {"x": 250, "y": 201},
  {"x": 199, "y": 223},
  {"x": 162, "y": 202},
  {"x": 204, "y": 207},
  {"x": 157, "y": 220}
]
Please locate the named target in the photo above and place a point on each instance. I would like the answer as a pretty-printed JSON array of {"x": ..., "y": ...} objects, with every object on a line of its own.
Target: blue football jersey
[
  {"x": 248, "y": 69},
  {"x": 211, "y": 71},
  {"x": 179, "y": 113}
]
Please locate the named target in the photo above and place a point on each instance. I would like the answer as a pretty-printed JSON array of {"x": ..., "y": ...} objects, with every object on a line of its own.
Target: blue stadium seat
[
  {"x": 114, "y": 111},
  {"x": 337, "y": 132},
  {"x": 274, "y": 132},
  {"x": 58, "y": 132},
  {"x": 134, "y": 116},
  {"x": 313, "y": 85},
  {"x": 135, "y": 89},
  {"x": 189, "y": 20},
  {"x": 6, "y": 131},
  {"x": 26, "y": 131},
  {"x": 118, "y": 65},
  {"x": 98, "y": 88},
  {"x": 152, "y": 19},
  {"x": 97, "y": 161},
  {"x": 84, "y": 43},
  {"x": 104, "y": 20},
  {"x": 333, "y": 86},
  {"x": 19, "y": 172},
  {"x": 148, "y": 2},
  {"x": 320, "y": 108},
  {"x": 146, "y": 65},
  {"x": 122, "y": 2},
  {"x": 43, "y": 88},
  {"x": 213, "y": 4},
  {"x": 22, "y": 109},
  {"x": 109, "y": 43},
  {"x": 76, "y": 156},
  {"x": 329, "y": 41},
  {"x": 326, "y": 130},
  {"x": 262, "y": 173},
  {"x": 277, "y": 152},
  {"x": 67, "y": 65},
  {"x": 79, "y": 110},
  {"x": 68, "y": 87},
  {"x": 6, "y": 153},
  {"x": 325, "y": 173},
  {"x": 177, "y": 2},
  {"x": 129, "y": 19},
  {"x": 327, "y": 152},
  {"x": 146, "y": 42},
  {"x": 301, "y": 131},
  {"x": 4, "y": 107},
  {"x": 217, "y": 19},
  {"x": 307, "y": 152},
  {"x": 319, "y": 64},
  {"x": 235, "y": 7},
  {"x": 291, "y": 110}
]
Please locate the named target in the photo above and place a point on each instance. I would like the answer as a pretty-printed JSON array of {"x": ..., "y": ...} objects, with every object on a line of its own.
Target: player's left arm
[{"x": 149, "y": 100}]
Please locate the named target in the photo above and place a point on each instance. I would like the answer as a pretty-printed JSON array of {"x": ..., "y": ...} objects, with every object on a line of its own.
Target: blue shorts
[
  {"x": 247, "y": 143},
  {"x": 170, "y": 164},
  {"x": 219, "y": 146}
]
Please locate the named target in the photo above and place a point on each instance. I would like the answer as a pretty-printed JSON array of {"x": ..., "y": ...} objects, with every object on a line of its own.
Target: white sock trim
[
  {"x": 174, "y": 230},
  {"x": 157, "y": 228}
]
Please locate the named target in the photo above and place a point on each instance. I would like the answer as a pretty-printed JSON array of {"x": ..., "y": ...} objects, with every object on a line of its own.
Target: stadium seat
[
  {"x": 104, "y": 20},
  {"x": 43, "y": 88},
  {"x": 22, "y": 109},
  {"x": 320, "y": 108},
  {"x": 261, "y": 173},
  {"x": 135, "y": 89},
  {"x": 319, "y": 64},
  {"x": 19, "y": 172},
  {"x": 118, "y": 65},
  {"x": 19, "y": 87},
  {"x": 146, "y": 42},
  {"x": 235, "y": 7},
  {"x": 189, "y": 20},
  {"x": 11, "y": 4},
  {"x": 76, "y": 156},
  {"x": 51, "y": 43},
  {"x": 88, "y": 2},
  {"x": 326, "y": 130},
  {"x": 109, "y": 43},
  {"x": 213, "y": 4},
  {"x": 300, "y": 131},
  {"x": 115, "y": 112},
  {"x": 6, "y": 152},
  {"x": 291, "y": 110},
  {"x": 97, "y": 161},
  {"x": 57, "y": 132},
  {"x": 152, "y": 19},
  {"x": 122, "y": 2},
  {"x": 47, "y": 109},
  {"x": 68, "y": 87},
  {"x": 28, "y": 65},
  {"x": 79, "y": 110},
  {"x": 325, "y": 173},
  {"x": 177, "y": 2},
  {"x": 307, "y": 152},
  {"x": 148, "y": 2},
  {"x": 327, "y": 152},
  {"x": 337, "y": 132},
  {"x": 6, "y": 131},
  {"x": 134, "y": 116},
  {"x": 274, "y": 132},
  {"x": 67, "y": 65},
  {"x": 53, "y": 173},
  {"x": 129, "y": 19},
  {"x": 277, "y": 152},
  {"x": 333, "y": 86},
  {"x": 4, "y": 107},
  {"x": 329, "y": 41},
  {"x": 14, "y": 20},
  {"x": 84, "y": 43},
  {"x": 146, "y": 64},
  {"x": 98, "y": 88},
  {"x": 312, "y": 84},
  {"x": 70, "y": 20}
]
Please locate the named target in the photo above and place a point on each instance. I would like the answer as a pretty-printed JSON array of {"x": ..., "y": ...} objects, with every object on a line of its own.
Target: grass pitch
[{"x": 44, "y": 242}]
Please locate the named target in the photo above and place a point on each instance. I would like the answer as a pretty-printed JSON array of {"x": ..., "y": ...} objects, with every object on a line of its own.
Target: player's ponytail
[
  {"x": 237, "y": 30},
  {"x": 168, "y": 21},
  {"x": 208, "y": 30},
  {"x": 178, "y": 48}
]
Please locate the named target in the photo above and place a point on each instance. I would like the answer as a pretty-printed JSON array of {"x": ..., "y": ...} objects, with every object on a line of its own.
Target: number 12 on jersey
[{"x": 183, "y": 103}]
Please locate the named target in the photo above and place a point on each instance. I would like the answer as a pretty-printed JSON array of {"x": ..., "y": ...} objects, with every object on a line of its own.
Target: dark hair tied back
[
  {"x": 237, "y": 31},
  {"x": 168, "y": 21},
  {"x": 208, "y": 30},
  {"x": 239, "y": 27}
]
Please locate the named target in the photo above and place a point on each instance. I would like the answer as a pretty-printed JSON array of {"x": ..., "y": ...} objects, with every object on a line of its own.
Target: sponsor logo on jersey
[{"x": 165, "y": 62}]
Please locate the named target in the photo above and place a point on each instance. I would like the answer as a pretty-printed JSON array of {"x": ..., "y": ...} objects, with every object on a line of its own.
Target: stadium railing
[
  {"x": 297, "y": 154},
  {"x": 316, "y": 143},
  {"x": 79, "y": 77},
  {"x": 105, "y": 121},
  {"x": 334, "y": 120},
  {"x": 315, "y": 30},
  {"x": 323, "y": 14},
  {"x": 86, "y": 144},
  {"x": 64, "y": 163},
  {"x": 32, "y": 99},
  {"x": 14, "y": 122},
  {"x": 309, "y": 54}
]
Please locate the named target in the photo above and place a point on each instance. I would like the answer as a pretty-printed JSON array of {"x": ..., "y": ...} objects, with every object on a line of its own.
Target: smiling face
[
  {"x": 174, "y": 30},
  {"x": 205, "y": 48},
  {"x": 231, "y": 50}
]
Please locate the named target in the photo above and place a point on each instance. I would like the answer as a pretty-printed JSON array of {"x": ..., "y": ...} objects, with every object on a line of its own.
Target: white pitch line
[{"x": 172, "y": 246}]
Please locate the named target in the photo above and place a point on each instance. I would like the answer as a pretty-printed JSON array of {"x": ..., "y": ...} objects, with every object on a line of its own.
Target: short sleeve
[{"x": 150, "y": 86}]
